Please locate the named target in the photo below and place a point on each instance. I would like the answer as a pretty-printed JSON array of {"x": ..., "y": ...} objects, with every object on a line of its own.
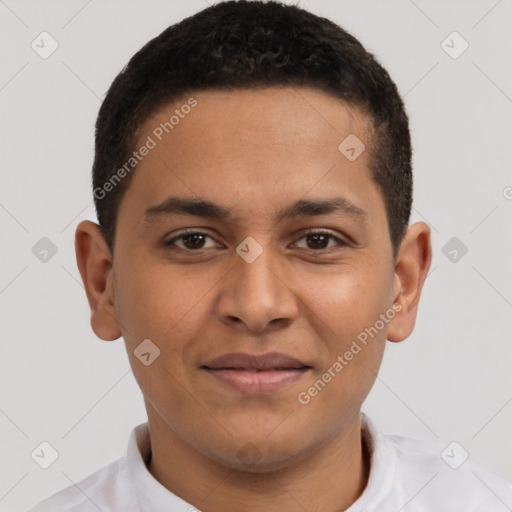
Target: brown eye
[
  {"x": 191, "y": 241},
  {"x": 319, "y": 240},
  {"x": 194, "y": 241}
]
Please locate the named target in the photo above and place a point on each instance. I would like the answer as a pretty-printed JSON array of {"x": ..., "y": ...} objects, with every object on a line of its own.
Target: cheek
[
  {"x": 153, "y": 303},
  {"x": 347, "y": 301},
  {"x": 167, "y": 305},
  {"x": 159, "y": 300},
  {"x": 352, "y": 334}
]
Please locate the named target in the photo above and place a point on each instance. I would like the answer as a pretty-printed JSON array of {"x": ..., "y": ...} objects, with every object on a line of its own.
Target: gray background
[{"x": 450, "y": 380}]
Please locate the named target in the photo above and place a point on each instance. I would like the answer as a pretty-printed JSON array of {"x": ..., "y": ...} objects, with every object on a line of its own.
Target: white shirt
[{"x": 406, "y": 475}]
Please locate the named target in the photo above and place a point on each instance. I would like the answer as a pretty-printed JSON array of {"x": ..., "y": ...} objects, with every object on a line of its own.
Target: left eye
[
  {"x": 320, "y": 240},
  {"x": 195, "y": 240}
]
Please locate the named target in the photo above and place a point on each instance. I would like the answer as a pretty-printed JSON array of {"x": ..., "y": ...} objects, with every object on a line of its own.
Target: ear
[
  {"x": 411, "y": 269},
  {"x": 94, "y": 261}
]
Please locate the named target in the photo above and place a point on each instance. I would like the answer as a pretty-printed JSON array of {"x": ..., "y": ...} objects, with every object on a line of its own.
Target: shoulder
[
  {"x": 446, "y": 478},
  {"x": 107, "y": 489}
]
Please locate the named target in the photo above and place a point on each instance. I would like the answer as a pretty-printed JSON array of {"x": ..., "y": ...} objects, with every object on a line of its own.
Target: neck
[{"x": 329, "y": 480}]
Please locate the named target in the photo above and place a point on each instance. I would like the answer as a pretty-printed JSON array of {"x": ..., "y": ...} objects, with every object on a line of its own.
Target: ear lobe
[
  {"x": 94, "y": 262},
  {"x": 411, "y": 269}
]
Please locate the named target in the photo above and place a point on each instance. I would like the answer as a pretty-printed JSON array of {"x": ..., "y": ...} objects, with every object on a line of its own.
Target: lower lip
[{"x": 252, "y": 381}]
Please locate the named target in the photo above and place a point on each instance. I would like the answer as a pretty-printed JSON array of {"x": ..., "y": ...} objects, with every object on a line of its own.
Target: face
[{"x": 264, "y": 270}]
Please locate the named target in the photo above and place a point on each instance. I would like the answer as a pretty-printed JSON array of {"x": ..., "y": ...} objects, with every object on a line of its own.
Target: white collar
[
  {"x": 154, "y": 497},
  {"x": 383, "y": 468},
  {"x": 151, "y": 494}
]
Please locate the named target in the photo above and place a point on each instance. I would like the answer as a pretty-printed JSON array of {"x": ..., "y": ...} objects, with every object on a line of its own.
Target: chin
[
  {"x": 252, "y": 457},
  {"x": 264, "y": 464}
]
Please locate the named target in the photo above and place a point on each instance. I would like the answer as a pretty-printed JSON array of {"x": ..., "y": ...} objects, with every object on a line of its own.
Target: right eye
[{"x": 191, "y": 241}]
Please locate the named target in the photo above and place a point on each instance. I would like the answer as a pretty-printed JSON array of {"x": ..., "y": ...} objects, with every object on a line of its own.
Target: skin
[{"x": 253, "y": 152}]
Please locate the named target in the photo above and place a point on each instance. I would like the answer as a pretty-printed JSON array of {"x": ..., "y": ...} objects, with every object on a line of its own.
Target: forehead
[{"x": 253, "y": 149}]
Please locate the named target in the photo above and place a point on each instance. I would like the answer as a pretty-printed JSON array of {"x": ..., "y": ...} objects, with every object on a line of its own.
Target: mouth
[{"x": 256, "y": 374}]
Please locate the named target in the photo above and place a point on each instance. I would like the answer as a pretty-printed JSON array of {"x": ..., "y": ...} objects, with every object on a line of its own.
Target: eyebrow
[{"x": 303, "y": 207}]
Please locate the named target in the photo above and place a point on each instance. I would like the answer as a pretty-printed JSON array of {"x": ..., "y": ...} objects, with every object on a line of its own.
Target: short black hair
[{"x": 253, "y": 44}]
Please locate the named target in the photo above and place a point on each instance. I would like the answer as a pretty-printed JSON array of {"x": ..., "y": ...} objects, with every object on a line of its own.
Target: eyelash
[{"x": 171, "y": 243}]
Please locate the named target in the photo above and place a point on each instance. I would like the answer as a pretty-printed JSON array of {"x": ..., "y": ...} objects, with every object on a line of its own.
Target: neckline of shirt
[{"x": 153, "y": 496}]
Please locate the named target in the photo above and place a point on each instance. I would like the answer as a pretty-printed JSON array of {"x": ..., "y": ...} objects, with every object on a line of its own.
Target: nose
[{"x": 255, "y": 296}]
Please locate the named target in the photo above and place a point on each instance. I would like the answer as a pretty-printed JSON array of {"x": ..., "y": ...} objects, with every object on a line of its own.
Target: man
[{"x": 253, "y": 188}]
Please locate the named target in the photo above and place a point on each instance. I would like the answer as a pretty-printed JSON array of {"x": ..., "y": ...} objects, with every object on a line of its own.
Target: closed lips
[
  {"x": 255, "y": 374},
  {"x": 273, "y": 361}
]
